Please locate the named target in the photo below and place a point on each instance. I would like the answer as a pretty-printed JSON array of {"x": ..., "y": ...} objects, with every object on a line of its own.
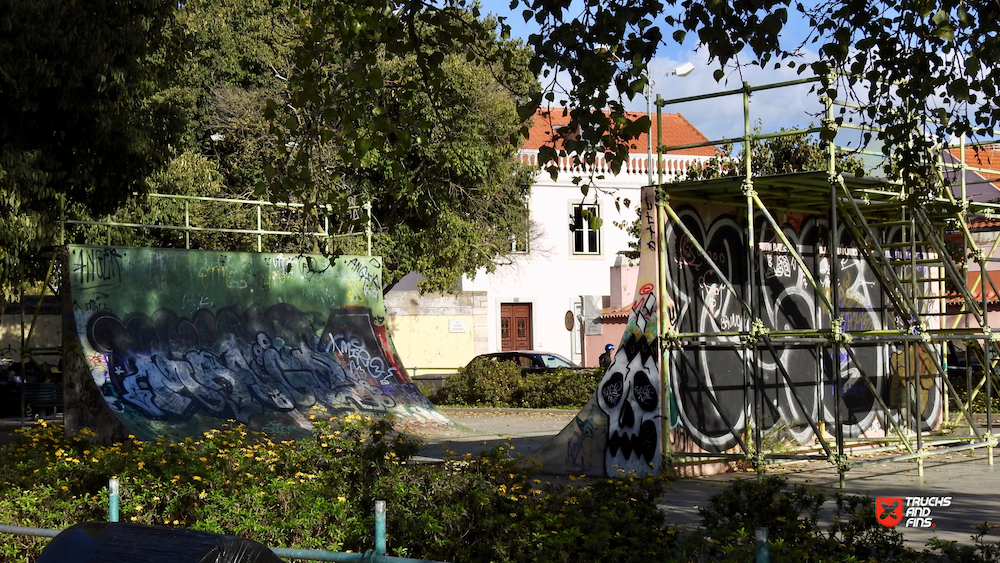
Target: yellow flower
[{"x": 342, "y": 499}]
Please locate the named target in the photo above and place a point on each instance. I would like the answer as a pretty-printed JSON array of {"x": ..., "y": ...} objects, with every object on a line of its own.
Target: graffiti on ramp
[
  {"x": 619, "y": 431},
  {"x": 175, "y": 342}
]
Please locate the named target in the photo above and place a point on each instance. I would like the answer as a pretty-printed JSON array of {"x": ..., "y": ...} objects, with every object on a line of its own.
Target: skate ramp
[
  {"x": 164, "y": 342},
  {"x": 619, "y": 430}
]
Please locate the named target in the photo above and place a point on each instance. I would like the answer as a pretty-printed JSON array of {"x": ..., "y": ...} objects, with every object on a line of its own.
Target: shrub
[
  {"x": 483, "y": 382},
  {"x": 746, "y": 505},
  {"x": 561, "y": 388},
  {"x": 319, "y": 493},
  {"x": 501, "y": 384},
  {"x": 960, "y": 382}
]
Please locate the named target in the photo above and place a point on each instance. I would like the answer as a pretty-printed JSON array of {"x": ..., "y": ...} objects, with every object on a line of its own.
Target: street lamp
[{"x": 683, "y": 70}]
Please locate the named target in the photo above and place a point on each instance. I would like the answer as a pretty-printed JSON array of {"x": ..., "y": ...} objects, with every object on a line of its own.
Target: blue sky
[{"x": 720, "y": 117}]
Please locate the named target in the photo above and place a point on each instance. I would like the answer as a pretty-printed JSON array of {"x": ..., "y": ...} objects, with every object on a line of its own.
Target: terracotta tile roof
[
  {"x": 676, "y": 131},
  {"x": 984, "y": 224},
  {"x": 980, "y": 156},
  {"x": 955, "y": 298},
  {"x": 612, "y": 315},
  {"x": 985, "y": 158}
]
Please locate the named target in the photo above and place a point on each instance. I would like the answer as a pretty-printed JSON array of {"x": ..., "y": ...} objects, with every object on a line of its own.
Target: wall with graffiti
[
  {"x": 716, "y": 381},
  {"x": 174, "y": 342}
]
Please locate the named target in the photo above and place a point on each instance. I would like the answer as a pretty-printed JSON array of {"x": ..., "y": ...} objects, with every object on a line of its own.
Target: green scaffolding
[{"x": 936, "y": 248}]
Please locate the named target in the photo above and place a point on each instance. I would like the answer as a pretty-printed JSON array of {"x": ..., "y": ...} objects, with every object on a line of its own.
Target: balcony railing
[{"x": 674, "y": 167}]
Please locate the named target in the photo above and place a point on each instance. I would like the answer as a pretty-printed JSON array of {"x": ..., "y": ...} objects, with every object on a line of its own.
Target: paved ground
[{"x": 968, "y": 478}]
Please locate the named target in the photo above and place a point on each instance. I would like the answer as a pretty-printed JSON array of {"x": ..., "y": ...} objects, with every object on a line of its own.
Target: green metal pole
[
  {"x": 29, "y": 531},
  {"x": 763, "y": 549},
  {"x": 380, "y": 527},
  {"x": 113, "y": 500},
  {"x": 661, "y": 298}
]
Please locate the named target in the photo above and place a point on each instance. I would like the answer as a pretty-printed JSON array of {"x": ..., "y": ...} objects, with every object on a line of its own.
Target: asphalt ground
[{"x": 972, "y": 484}]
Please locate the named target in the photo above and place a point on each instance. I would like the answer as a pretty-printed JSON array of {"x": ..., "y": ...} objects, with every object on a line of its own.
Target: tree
[
  {"x": 445, "y": 205},
  {"x": 82, "y": 125},
  {"x": 415, "y": 112},
  {"x": 919, "y": 61}
]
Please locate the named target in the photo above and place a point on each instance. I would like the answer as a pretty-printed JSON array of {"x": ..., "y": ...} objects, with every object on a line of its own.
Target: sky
[{"x": 717, "y": 118}]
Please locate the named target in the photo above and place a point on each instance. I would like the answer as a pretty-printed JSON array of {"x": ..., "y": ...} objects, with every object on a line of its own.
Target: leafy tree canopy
[
  {"x": 81, "y": 123},
  {"x": 202, "y": 98},
  {"x": 415, "y": 111},
  {"x": 903, "y": 63}
]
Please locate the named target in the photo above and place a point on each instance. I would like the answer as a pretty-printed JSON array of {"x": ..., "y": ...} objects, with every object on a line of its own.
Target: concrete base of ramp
[{"x": 482, "y": 429}]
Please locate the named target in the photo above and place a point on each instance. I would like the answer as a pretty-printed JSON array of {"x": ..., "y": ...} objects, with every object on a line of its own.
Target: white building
[{"x": 566, "y": 265}]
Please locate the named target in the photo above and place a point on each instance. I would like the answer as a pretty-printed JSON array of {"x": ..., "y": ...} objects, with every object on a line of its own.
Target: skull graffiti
[{"x": 629, "y": 394}]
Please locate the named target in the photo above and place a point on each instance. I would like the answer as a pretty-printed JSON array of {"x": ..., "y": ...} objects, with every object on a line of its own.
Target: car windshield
[{"x": 553, "y": 361}]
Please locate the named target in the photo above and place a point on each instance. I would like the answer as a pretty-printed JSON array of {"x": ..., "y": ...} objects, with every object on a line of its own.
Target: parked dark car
[{"x": 531, "y": 361}]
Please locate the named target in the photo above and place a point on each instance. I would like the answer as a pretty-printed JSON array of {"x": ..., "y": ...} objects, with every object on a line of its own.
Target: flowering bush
[{"x": 319, "y": 493}]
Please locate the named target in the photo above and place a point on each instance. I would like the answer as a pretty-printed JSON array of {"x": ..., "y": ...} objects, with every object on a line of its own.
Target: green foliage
[
  {"x": 963, "y": 383},
  {"x": 747, "y": 505},
  {"x": 561, "y": 388},
  {"x": 205, "y": 101},
  {"x": 81, "y": 121},
  {"x": 319, "y": 493},
  {"x": 483, "y": 382},
  {"x": 777, "y": 155},
  {"x": 426, "y": 132},
  {"x": 903, "y": 64},
  {"x": 486, "y": 382}
]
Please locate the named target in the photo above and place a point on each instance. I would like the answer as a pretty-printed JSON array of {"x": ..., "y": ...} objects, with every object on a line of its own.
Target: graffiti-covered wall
[
  {"x": 714, "y": 378},
  {"x": 174, "y": 342}
]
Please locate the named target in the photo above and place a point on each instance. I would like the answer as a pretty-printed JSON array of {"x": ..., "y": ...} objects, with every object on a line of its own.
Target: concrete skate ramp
[
  {"x": 619, "y": 430},
  {"x": 177, "y": 342}
]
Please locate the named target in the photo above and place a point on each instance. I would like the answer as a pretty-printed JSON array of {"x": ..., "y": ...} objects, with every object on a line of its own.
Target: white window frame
[{"x": 579, "y": 224}]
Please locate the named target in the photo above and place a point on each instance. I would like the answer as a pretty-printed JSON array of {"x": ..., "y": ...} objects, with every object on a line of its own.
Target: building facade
[{"x": 552, "y": 295}]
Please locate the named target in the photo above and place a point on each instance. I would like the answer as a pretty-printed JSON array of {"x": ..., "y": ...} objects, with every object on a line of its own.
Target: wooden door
[{"x": 515, "y": 326}]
